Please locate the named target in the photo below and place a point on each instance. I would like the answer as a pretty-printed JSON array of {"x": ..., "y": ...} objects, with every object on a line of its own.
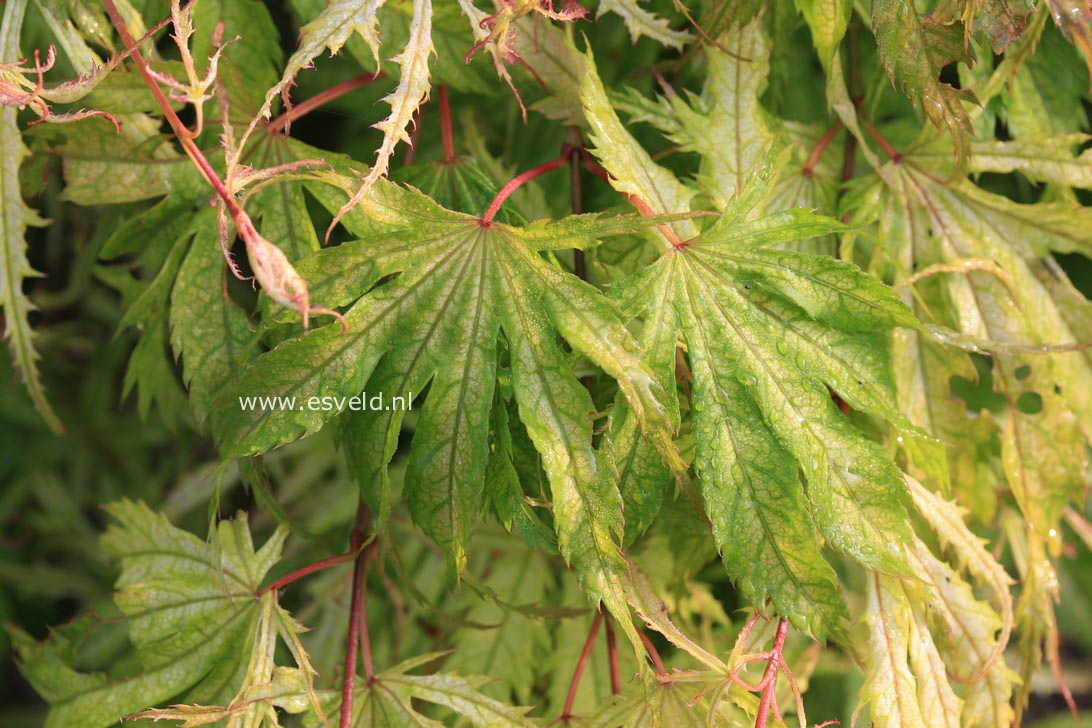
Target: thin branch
[
  {"x": 612, "y": 658},
  {"x": 570, "y": 698},
  {"x": 365, "y": 635},
  {"x": 348, "y": 680},
  {"x": 284, "y": 121},
  {"x": 357, "y": 615},
  {"x": 354, "y": 550},
  {"x": 445, "y": 124}
]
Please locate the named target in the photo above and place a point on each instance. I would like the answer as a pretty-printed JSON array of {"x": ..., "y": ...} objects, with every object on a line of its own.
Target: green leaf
[
  {"x": 1025, "y": 306},
  {"x": 766, "y": 333},
  {"x": 891, "y": 689},
  {"x": 641, "y": 22},
  {"x": 328, "y": 31},
  {"x": 828, "y": 20},
  {"x": 1041, "y": 160},
  {"x": 513, "y": 461},
  {"x": 412, "y": 91},
  {"x": 15, "y": 218},
  {"x": 755, "y": 322},
  {"x": 249, "y": 65},
  {"x": 669, "y": 705},
  {"x": 968, "y": 631},
  {"x": 940, "y": 706},
  {"x": 631, "y": 169},
  {"x": 726, "y": 125},
  {"x": 105, "y": 168},
  {"x": 913, "y": 54},
  {"x": 192, "y": 613},
  {"x": 209, "y": 332},
  {"x": 280, "y": 208},
  {"x": 437, "y": 323},
  {"x": 1001, "y": 21},
  {"x": 389, "y": 700},
  {"x": 507, "y": 650},
  {"x": 265, "y": 686},
  {"x": 558, "y": 65}
]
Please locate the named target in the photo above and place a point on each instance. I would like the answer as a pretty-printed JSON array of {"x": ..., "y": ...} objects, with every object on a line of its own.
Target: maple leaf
[
  {"x": 1024, "y": 308},
  {"x": 192, "y": 613},
  {"x": 641, "y": 22},
  {"x": 393, "y": 696},
  {"x": 891, "y": 690},
  {"x": 208, "y": 331},
  {"x": 913, "y": 52},
  {"x": 414, "y": 83},
  {"x": 265, "y": 687},
  {"x": 505, "y": 651},
  {"x": 329, "y": 31},
  {"x": 15, "y": 218},
  {"x": 728, "y": 127},
  {"x": 668, "y": 705},
  {"x": 460, "y": 284},
  {"x": 935, "y": 619},
  {"x": 983, "y": 265},
  {"x": 760, "y": 326}
]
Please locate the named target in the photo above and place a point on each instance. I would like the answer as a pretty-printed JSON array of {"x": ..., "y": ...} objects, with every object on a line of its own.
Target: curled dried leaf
[
  {"x": 276, "y": 275},
  {"x": 18, "y": 91}
]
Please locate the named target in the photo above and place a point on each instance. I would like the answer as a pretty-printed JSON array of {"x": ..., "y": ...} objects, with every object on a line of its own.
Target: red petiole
[
  {"x": 303, "y": 108},
  {"x": 581, "y": 663},
  {"x": 820, "y": 147},
  {"x": 522, "y": 179}
]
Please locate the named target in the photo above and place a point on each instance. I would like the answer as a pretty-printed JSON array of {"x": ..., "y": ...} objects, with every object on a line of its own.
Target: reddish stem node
[
  {"x": 303, "y": 108},
  {"x": 445, "y": 124},
  {"x": 769, "y": 678},
  {"x": 820, "y": 147},
  {"x": 516, "y": 183},
  {"x": 570, "y": 698}
]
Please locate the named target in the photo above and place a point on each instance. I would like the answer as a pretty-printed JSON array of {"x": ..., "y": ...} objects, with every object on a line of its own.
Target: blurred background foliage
[{"x": 52, "y": 486}]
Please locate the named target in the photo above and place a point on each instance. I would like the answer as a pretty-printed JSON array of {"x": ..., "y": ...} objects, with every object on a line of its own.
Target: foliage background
[{"x": 144, "y": 444}]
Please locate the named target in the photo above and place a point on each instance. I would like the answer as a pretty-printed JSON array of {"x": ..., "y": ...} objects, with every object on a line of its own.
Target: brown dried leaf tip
[
  {"x": 19, "y": 91},
  {"x": 276, "y": 276}
]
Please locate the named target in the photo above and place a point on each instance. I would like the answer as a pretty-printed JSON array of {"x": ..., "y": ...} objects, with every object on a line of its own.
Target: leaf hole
[
  {"x": 978, "y": 394},
  {"x": 1022, "y": 372},
  {"x": 1030, "y": 403}
]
